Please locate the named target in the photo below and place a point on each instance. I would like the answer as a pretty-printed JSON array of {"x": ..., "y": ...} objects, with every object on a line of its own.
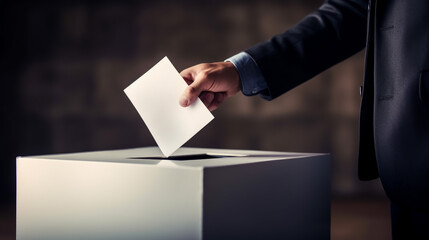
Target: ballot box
[{"x": 195, "y": 194}]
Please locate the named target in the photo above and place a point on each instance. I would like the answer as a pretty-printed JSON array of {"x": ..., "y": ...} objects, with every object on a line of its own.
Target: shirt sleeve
[{"x": 251, "y": 78}]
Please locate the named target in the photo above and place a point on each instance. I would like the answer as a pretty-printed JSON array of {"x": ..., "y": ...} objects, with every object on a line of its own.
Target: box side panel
[
  {"x": 95, "y": 200},
  {"x": 287, "y": 199}
]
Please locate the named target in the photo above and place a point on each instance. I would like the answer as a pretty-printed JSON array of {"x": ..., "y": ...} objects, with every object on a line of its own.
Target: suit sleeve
[{"x": 325, "y": 37}]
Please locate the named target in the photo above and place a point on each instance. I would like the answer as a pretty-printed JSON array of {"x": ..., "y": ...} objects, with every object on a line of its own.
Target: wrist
[
  {"x": 252, "y": 81},
  {"x": 234, "y": 75}
]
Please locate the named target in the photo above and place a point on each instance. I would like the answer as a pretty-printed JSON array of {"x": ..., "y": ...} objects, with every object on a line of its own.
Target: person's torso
[{"x": 401, "y": 110}]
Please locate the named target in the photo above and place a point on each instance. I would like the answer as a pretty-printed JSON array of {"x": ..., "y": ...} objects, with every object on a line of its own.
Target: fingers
[
  {"x": 221, "y": 79},
  {"x": 187, "y": 75},
  {"x": 198, "y": 81},
  {"x": 218, "y": 99},
  {"x": 207, "y": 98},
  {"x": 191, "y": 93},
  {"x": 212, "y": 100}
]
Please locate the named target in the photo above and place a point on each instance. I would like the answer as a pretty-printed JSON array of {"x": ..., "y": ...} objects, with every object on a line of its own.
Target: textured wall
[{"x": 67, "y": 63}]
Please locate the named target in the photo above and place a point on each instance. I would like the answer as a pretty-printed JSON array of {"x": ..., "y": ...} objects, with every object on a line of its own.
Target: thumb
[{"x": 191, "y": 93}]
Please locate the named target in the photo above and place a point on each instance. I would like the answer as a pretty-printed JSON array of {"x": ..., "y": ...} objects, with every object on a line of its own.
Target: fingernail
[{"x": 184, "y": 101}]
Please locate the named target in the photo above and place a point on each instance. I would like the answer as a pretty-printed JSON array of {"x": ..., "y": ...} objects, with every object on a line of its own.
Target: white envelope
[{"x": 155, "y": 95}]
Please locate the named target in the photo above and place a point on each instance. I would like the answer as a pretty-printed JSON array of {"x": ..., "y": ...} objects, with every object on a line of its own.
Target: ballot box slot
[{"x": 199, "y": 156}]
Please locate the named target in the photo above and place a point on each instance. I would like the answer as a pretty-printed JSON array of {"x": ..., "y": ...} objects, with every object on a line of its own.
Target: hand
[{"x": 212, "y": 82}]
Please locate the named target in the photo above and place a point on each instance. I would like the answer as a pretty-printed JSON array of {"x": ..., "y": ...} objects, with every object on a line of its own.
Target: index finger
[{"x": 187, "y": 75}]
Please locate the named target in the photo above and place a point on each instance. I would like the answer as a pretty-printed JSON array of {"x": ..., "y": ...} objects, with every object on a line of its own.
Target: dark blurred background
[{"x": 64, "y": 65}]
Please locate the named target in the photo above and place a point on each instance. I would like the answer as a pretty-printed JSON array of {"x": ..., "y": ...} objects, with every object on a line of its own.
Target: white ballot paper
[{"x": 155, "y": 95}]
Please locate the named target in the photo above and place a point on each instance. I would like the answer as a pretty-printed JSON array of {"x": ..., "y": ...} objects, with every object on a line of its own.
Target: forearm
[{"x": 334, "y": 32}]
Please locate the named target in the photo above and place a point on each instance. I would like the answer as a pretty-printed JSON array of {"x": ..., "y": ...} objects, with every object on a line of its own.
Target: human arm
[
  {"x": 332, "y": 33},
  {"x": 245, "y": 67},
  {"x": 212, "y": 82}
]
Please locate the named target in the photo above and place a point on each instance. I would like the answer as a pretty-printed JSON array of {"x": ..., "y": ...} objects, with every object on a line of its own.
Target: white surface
[
  {"x": 130, "y": 194},
  {"x": 71, "y": 200},
  {"x": 141, "y": 155},
  {"x": 155, "y": 95}
]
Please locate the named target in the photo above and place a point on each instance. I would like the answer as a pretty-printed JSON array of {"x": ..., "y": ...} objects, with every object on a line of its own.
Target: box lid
[{"x": 183, "y": 157}]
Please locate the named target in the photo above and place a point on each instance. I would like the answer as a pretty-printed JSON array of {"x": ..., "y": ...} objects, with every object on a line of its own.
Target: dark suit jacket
[{"x": 394, "y": 120}]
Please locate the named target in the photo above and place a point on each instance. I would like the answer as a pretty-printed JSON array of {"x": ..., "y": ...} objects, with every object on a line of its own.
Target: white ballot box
[{"x": 195, "y": 194}]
